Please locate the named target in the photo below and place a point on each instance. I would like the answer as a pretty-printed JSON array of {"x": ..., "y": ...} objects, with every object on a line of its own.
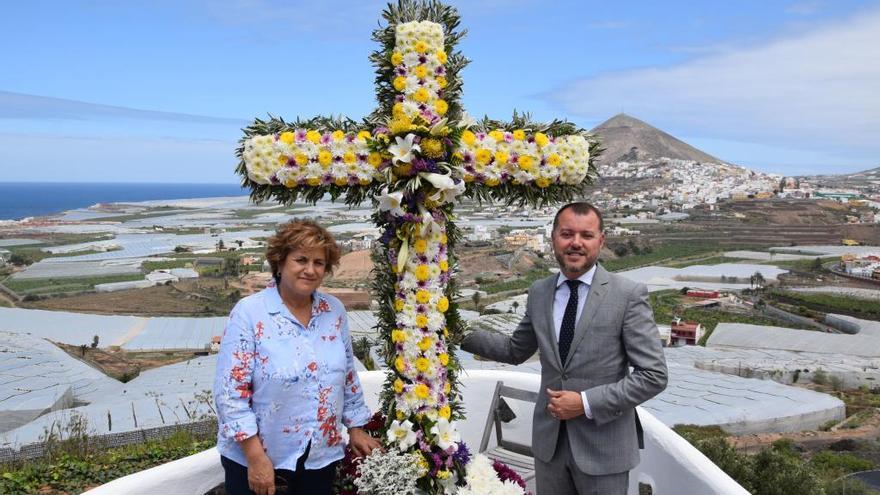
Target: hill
[{"x": 627, "y": 138}]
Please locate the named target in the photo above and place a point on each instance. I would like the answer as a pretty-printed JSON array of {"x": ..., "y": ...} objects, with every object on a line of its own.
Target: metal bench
[{"x": 516, "y": 455}]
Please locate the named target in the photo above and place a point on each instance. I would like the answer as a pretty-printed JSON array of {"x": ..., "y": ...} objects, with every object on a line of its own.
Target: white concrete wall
[{"x": 669, "y": 463}]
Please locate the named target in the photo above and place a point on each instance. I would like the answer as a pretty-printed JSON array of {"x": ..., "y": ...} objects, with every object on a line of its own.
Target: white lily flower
[
  {"x": 403, "y": 150},
  {"x": 447, "y": 188},
  {"x": 446, "y": 433},
  {"x": 392, "y": 202},
  {"x": 466, "y": 120},
  {"x": 402, "y": 434},
  {"x": 436, "y": 128}
]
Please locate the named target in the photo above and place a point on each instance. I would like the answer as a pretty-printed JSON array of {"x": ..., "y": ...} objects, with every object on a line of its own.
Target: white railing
[{"x": 670, "y": 465}]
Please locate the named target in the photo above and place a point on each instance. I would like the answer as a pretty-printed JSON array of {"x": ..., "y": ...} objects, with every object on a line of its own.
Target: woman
[{"x": 285, "y": 375}]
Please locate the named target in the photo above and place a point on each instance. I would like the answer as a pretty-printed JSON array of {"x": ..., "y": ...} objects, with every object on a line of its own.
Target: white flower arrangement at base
[
  {"x": 483, "y": 480},
  {"x": 390, "y": 473}
]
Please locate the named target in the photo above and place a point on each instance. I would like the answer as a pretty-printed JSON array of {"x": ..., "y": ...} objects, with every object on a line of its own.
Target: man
[{"x": 590, "y": 327}]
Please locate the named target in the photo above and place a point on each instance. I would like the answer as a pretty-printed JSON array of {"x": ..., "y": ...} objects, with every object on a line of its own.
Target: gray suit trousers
[{"x": 561, "y": 476}]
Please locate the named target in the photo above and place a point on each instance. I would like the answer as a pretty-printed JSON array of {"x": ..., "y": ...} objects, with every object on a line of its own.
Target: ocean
[{"x": 28, "y": 199}]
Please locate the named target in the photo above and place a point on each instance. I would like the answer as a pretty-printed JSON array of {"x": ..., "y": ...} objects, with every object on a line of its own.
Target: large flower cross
[{"x": 412, "y": 158}]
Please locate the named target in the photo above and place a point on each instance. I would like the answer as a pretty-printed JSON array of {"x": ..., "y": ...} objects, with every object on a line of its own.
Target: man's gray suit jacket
[{"x": 616, "y": 331}]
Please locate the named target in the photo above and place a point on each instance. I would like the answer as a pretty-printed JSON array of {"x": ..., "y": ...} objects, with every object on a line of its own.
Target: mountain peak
[{"x": 626, "y": 138}]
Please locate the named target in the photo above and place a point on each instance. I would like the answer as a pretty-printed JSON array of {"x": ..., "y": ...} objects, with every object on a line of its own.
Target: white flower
[
  {"x": 402, "y": 434},
  {"x": 391, "y": 202},
  {"x": 446, "y": 434},
  {"x": 403, "y": 150},
  {"x": 447, "y": 187}
]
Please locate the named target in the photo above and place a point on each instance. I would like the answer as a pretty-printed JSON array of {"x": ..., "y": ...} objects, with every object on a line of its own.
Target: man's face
[{"x": 577, "y": 242}]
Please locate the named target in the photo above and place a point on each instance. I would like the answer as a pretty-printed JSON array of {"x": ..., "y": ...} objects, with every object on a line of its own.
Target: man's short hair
[{"x": 580, "y": 208}]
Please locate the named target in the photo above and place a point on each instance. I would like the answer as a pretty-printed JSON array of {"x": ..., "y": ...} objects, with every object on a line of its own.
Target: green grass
[
  {"x": 515, "y": 284},
  {"x": 149, "y": 266},
  {"x": 805, "y": 265},
  {"x": 49, "y": 286},
  {"x": 712, "y": 260},
  {"x": 76, "y": 471},
  {"x": 830, "y": 303},
  {"x": 673, "y": 252}
]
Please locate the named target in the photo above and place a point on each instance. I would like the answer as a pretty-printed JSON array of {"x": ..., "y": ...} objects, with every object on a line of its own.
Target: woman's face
[{"x": 303, "y": 271}]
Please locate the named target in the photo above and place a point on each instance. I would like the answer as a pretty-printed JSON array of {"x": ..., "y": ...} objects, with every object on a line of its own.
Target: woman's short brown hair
[{"x": 300, "y": 234}]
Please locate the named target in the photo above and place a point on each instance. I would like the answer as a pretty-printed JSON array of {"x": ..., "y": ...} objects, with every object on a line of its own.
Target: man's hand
[
  {"x": 361, "y": 443},
  {"x": 565, "y": 404}
]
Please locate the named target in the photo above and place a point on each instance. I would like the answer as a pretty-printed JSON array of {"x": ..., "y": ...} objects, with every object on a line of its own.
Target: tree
[
  {"x": 19, "y": 259},
  {"x": 515, "y": 306},
  {"x": 220, "y": 245},
  {"x": 816, "y": 265},
  {"x": 477, "y": 299},
  {"x": 95, "y": 342},
  {"x": 758, "y": 279}
]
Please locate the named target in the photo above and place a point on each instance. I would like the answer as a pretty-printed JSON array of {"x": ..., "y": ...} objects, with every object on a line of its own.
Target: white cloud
[
  {"x": 805, "y": 7},
  {"x": 818, "y": 91}
]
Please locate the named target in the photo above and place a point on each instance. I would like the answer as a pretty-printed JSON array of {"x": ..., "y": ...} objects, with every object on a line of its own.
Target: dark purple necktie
[{"x": 566, "y": 332}]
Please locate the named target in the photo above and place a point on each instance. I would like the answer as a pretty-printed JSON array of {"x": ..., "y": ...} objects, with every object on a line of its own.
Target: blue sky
[{"x": 158, "y": 91}]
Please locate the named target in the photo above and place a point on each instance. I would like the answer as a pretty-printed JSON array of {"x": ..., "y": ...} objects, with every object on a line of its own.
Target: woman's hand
[
  {"x": 361, "y": 443},
  {"x": 260, "y": 471},
  {"x": 261, "y": 475}
]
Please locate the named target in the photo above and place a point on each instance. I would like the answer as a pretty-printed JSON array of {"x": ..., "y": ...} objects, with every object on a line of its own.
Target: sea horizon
[{"x": 20, "y": 199}]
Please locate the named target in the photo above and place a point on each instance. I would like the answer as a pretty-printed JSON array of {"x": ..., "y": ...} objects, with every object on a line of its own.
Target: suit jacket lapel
[{"x": 594, "y": 302}]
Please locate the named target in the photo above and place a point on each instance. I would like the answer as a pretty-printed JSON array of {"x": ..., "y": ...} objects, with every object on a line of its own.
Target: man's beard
[{"x": 566, "y": 267}]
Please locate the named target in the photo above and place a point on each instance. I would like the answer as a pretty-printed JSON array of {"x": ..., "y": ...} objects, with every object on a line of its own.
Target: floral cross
[{"x": 413, "y": 157}]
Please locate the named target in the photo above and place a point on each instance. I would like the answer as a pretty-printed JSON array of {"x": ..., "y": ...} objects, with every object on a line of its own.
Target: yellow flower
[
  {"x": 422, "y": 391},
  {"x": 396, "y": 58},
  {"x": 314, "y": 181},
  {"x": 468, "y": 177},
  {"x": 425, "y": 344},
  {"x": 423, "y": 296},
  {"x": 363, "y": 135},
  {"x": 289, "y": 182},
  {"x": 443, "y": 304},
  {"x": 314, "y": 136},
  {"x": 325, "y": 158},
  {"x": 398, "y": 305},
  {"x": 341, "y": 181},
  {"x": 445, "y": 412},
  {"x": 542, "y": 182},
  {"x": 301, "y": 159},
  {"x": 399, "y": 364},
  {"x": 443, "y": 239},
  {"x": 398, "y": 335},
  {"x": 445, "y": 332},
  {"x": 421, "y": 321},
  {"x": 483, "y": 156},
  {"x": 432, "y": 148},
  {"x": 519, "y": 134},
  {"x": 441, "y": 56},
  {"x": 364, "y": 182},
  {"x": 397, "y": 110},
  {"x": 468, "y": 138},
  {"x": 541, "y": 139},
  {"x": 400, "y": 415},
  {"x": 422, "y": 273},
  {"x": 282, "y": 159},
  {"x": 400, "y": 124},
  {"x": 441, "y": 81},
  {"x": 447, "y": 387},
  {"x": 349, "y": 157},
  {"x": 421, "y": 46},
  {"x": 443, "y": 474},
  {"x": 421, "y": 71},
  {"x": 444, "y": 358},
  {"x": 497, "y": 135},
  {"x": 526, "y": 163},
  {"x": 338, "y": 135},
  {"x": 444, "y": 266},
  {"x": 423, "y": 465},
  {"x": 398, "y": 386},
  {"x": 421, "y": 245},
  {"x": 421, "y": 95},
  {"x": 399, "y": 83},
  {"x": 501, "y": 157},
  {"x": 441, "y": 107},
  {"x": 374, "y": 159},
  {"x": 492, "y": 181},
  {"x": 287, "y": 137},
  {"x": 403, "y": 170}
]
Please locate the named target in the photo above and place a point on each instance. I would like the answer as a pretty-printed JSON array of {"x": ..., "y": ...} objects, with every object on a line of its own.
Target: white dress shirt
[{"x": 561, "y": 301}]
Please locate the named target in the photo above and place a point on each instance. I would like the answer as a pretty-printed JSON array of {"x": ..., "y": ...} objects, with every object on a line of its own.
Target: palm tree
[
  {"x": 515, "y": 305},
  {"x": 477, "y": 299}
]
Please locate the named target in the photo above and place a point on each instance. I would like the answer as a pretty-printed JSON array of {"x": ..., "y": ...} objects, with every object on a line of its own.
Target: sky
[{"x": 109, "y": 91}]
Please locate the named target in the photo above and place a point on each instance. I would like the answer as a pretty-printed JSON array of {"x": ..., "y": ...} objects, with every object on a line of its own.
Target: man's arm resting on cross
[{"x": 641, "y": 343}]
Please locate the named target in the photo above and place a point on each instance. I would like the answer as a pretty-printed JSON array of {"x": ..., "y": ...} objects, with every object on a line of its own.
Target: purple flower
[
  {"x": 300, "y": 135},
  {"x": 326, "y": 138},
  {"x": 462, "y": 456}
]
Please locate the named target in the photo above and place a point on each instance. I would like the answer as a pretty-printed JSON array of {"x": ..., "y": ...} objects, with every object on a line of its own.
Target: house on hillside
[{"x": 685, "y": 332}]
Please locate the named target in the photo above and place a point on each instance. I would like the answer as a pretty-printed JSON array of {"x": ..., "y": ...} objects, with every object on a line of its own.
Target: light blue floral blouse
[{"x": 289, "y": 383}]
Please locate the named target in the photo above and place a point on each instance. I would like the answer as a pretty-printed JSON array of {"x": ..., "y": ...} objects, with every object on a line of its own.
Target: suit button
[
  {"x": 618, "y": 413},
  {"x": 564, "y": 376}
]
